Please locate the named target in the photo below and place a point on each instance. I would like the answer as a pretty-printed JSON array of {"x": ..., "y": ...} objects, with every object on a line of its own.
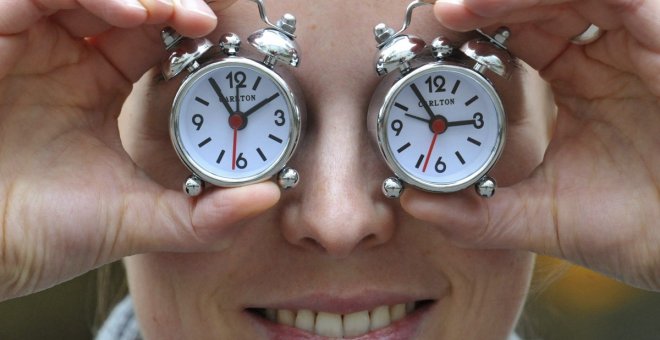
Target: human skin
[
  {"x": 72, "y": 199},
  {"x": 334, "y": 243},
  {"x": 595, "y": 200}
]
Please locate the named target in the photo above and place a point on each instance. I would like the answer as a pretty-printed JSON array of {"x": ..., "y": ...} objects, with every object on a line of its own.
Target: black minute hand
[
  {"x": 222, "y": 97},
  {"x": 422, "y": 100},
  {"x": 418, "y": 118},
  {"x": 261, "y": 104}
]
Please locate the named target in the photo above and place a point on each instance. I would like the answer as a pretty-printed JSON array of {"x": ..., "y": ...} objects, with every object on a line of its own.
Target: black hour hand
[{"x": 461, "y": 123}]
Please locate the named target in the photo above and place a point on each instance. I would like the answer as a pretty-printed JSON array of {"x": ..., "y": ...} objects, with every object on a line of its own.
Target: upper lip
[{"x": 346, "y": 303}]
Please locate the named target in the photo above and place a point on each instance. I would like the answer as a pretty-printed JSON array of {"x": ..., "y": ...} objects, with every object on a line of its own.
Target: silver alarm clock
[
  {"x": 436, "y": 117},
  {"x": 236, "y": 118}
]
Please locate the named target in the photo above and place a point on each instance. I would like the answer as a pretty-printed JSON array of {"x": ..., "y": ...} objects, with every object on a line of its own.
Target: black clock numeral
[
  {"x": 419, "y": 161},
  {"x": 198, "y": 121},
  {"x": 241, "y": 161},
  {"x": 397, "y": 126},
  {"x": 478, "y": 120},
  {"x": 280, "y": 121},
  {"x": 436, "y": 84},
  {"x": 440, "y": 166},
  {"x": 238, "y": 78},
  {"x": 261, "y": 154},
  {"x": 460, "y": 157}
]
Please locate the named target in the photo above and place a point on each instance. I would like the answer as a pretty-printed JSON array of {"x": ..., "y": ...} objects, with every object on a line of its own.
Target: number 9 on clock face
[
  {"x": 235, "y": 122},
  {"x": 441, "y": 127}
]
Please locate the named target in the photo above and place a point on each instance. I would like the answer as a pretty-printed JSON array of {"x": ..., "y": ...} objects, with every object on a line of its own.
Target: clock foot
[
  {"x": 193, "y": 186},
  {"x": 288, "y": 178},
  {"x": 392, "y": 187},
  {"x": 486, "y": 187}
]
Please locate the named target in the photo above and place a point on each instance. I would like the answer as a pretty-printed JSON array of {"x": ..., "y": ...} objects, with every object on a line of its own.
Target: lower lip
[{"x": 405, "y": 328}]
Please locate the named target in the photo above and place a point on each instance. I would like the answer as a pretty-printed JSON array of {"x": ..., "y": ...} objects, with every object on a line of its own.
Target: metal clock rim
[
  {"x": 291, "y": 102},
  {"x": 388, "y": 102}
]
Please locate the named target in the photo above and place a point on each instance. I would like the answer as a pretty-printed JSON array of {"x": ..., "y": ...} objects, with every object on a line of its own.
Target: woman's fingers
[
  {"x": 498, "y": 8},
  {"x": 80, "y": 22},
  {"x": 461, "y": 17},
  {"x": 542, "y": 30},
  {"x": 135, "y": 50},
  {"x": 167, "y": 220},
  {"x": 18, "y": 15},
  {"x": 501, "y": 222},
  {"x": 120, "y": 29},
  {"x": 548, "y": 27},
  {"x": 641, "y": 18},
  {"x": 158, "y": 11}
]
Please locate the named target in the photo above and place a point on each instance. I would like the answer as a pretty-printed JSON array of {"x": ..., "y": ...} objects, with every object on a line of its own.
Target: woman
[{"x": 247, "y": 263}]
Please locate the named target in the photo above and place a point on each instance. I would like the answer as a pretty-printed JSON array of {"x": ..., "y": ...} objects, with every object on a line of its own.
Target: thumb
[
  {"x": 168, "y": 220},
  {"x": 517, "y": 217}
]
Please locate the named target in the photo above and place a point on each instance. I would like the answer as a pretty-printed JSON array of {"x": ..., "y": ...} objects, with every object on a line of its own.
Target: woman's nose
[{"x": 338, "y": 208}]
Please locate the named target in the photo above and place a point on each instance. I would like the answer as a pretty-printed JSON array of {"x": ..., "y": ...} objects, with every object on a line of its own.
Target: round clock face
[
  {"x": 234, "y": 122},
  {"x": 442, "y": 127}
]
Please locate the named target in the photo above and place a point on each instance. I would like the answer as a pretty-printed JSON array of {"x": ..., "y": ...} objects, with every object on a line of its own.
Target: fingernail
[{"x": 198, "y": 6}]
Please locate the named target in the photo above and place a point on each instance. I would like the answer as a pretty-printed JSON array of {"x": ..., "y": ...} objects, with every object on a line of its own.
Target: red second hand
[
  {"x": 428, "y": 155},
  {"x": 438, "y": 126},
  {"x": 233, "y": 154},
  {"x": 235, "y": 122}
]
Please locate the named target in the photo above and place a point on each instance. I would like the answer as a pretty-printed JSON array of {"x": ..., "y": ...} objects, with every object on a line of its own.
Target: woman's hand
[
  {"x": 595, "y": 199},
  {"x": 70, "y": 197}
]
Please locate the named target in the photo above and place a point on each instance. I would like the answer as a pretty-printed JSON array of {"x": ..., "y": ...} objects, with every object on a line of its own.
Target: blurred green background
[{"x": 579, "y": 304}]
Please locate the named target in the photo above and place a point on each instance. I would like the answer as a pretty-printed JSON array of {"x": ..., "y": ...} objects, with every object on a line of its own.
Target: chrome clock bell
[
  {"x": 438, "y": 121},
  {"x": 237, "y": 117}
]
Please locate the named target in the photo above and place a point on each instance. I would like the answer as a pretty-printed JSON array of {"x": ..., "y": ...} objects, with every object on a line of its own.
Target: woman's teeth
[{"x": 340, "y": 325}]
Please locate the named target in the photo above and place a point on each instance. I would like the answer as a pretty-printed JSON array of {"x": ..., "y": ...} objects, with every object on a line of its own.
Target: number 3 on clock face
[
  {"x": 441, "y": 127},
  {"x": 235, "y": 122}
]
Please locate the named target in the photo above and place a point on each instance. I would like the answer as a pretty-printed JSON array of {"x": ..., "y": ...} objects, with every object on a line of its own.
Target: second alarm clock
[{"x": 435, "y": 116}]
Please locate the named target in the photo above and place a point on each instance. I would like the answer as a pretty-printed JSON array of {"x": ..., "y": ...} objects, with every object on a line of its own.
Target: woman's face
[{"x": 334, "y": 244}]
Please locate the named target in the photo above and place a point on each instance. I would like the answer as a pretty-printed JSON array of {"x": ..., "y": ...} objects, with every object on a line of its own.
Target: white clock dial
[
  {"x": 443, "y": 127},
  {"x": 234, "y": 123}
]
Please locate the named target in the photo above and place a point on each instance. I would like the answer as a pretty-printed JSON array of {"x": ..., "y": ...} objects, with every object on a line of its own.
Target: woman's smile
[
  {"x": 335, "y": 258},
  {"x": 401, "y": 320}
]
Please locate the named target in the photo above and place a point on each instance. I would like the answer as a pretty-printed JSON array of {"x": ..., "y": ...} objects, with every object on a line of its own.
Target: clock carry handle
[
  {"x": 276, "y": 42},
  {"x": 397, "y": 50}
]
